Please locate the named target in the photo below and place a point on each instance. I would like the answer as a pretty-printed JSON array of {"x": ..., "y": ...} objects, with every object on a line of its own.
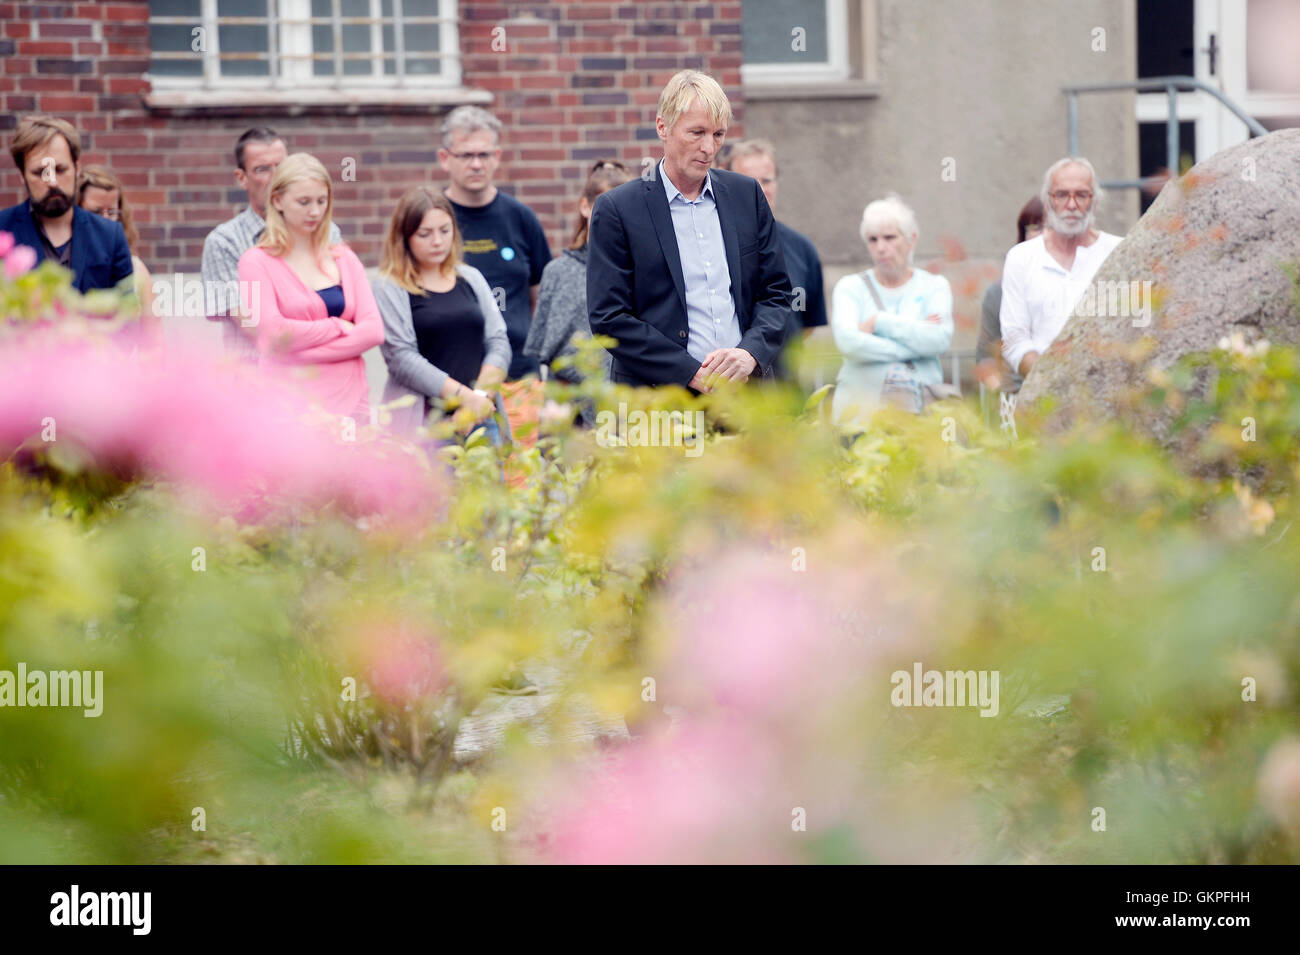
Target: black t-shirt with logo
[{"x": 504, "y": 240}]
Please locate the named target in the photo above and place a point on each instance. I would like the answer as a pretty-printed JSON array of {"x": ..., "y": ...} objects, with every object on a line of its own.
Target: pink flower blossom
[
  {"x": 19, "y": 261},
  {"x": 400, "y": 664},
  {"x": 706, "y": 795},
  {"x": 758, "y": 636},
  {"x": 6, "y": 243},
  {"x": 238, "y": 435}
]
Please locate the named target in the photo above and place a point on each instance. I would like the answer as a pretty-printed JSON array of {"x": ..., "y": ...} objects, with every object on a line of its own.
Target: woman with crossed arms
[{"x": 310, "y": 302}]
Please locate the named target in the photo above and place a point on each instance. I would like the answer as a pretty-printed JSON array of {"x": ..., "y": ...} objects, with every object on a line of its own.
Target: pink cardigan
[{"x": 293, "y": 327}]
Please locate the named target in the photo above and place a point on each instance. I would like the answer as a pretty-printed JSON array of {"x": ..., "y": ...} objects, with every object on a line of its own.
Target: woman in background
[
  {"x": 100, "y": 191},
  {"x": 990, "y": 367},
  {"x": 891, "y": 322},
  {"x": 309, "y": 301},
  {"x": 561, "y": 316},
  {"x": 444, "y": 337}
]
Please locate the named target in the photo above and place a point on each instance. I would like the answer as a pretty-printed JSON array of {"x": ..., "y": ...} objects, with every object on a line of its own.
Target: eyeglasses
[
  {"x": 470, "y": 157},
  {"x": 1082, "y": 198}
]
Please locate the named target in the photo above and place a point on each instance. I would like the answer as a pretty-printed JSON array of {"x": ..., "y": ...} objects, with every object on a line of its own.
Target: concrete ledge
[
  {"x": 848, "y": 89},
  {"x": 292, "y": 102}
]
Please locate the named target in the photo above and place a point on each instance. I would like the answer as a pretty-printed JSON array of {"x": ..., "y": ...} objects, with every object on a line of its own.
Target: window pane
[
  {"x": 322, "y": 41},
  {"x": 174, "y": 39},
  {"x": 355, "y": 8},
  {"x": 419, "y": 8},
  {"x": 250, "y": 39},
  {"x": 1272, "y": 63},
  {"x": 322, "y": 8},
  {"x": 356, "y": 39},
  {"x": 784, "y": 31},
  {"x": 422, "y": 38},
  {"x": 243, "y": 8},
  {"x": 1164, "y": 38},
  {"x": 176, "y": 8}
]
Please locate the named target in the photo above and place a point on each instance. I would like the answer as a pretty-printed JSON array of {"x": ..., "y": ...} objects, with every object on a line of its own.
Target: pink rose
[{"x": 19, "y": 261}]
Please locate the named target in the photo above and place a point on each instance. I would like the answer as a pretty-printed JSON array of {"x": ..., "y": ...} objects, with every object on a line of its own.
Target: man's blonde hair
[
  {"x": 295, "y": 168},
  {"x": 690, "y": 86}
]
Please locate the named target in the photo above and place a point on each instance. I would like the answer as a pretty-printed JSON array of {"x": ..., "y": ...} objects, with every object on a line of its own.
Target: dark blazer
[
  {"x": 100, "y": 255},
  {"x": 635, "y": 291}
]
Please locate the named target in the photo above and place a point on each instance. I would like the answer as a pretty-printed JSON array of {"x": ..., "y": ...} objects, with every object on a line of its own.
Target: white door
[{"x": 1197, "y": 108}]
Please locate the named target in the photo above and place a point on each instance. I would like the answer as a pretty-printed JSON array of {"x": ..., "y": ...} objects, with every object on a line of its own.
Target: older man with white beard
[{"x": 1045, "y": 277}]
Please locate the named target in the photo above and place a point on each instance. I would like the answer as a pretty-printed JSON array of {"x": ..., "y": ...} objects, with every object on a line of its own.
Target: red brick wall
[{"x": 578, "y": 80}]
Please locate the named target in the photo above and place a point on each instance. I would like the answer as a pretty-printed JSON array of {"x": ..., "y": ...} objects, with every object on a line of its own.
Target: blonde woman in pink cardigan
[{"x": 309, "y": 301}]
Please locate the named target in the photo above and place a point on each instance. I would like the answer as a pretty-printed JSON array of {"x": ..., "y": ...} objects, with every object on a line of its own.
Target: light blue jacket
[
  {"x": 409, "y": 372},
  {"x": 901, "y": 336}
]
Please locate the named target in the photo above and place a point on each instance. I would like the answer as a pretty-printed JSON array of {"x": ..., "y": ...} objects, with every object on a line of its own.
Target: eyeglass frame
[{"x": 1082, "y": 197}]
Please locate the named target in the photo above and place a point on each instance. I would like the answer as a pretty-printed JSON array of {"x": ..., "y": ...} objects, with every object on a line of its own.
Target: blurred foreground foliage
[{"x": 302, "y": 682}]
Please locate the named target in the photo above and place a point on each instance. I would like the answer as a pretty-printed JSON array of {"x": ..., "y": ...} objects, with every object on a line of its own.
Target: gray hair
[
  {"x": 888, "y": 211},
  {"x": 469, "y": 119},
  {"x": 752, "y": 147},
  {"x": 1045, "y": 194}
]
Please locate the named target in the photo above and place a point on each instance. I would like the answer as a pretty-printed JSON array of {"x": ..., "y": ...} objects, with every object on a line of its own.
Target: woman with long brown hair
[
  {"x": 100, "y": 191},
  {"x": 561, "y": 316},
  {"x": 444, "y": 337}
]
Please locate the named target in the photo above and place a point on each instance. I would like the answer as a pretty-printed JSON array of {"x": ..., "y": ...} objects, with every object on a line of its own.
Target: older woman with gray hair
[{"x": 891, "y": 323}]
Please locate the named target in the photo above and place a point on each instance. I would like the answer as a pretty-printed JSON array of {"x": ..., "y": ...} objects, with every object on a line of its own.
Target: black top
[
  {"x": 505, "y": 242},
  {"x": 449, "y": 330},
  {"x": 804, "y": 267},
  {"x": 333, "y": 299},
  {"x": 61, "y": 254}
]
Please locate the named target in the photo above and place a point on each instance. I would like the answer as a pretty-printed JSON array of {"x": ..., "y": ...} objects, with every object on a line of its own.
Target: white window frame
[
  {"x": 835, "y": 69},
  {"x": 1261, "y": 104},
  {"x": 290, "y": 63}
]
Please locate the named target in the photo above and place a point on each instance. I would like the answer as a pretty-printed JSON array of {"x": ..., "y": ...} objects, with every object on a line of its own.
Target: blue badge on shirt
[{"x": 507, "y": 253}]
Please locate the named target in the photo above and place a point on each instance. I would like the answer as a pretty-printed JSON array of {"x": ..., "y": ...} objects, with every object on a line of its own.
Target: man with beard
[
  {"x": 46, "y": 151},
  {"x": 1045, "y": 277}
]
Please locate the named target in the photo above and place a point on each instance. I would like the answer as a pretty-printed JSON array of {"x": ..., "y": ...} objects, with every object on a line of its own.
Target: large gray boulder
[{"x": 1208, "y": 259}]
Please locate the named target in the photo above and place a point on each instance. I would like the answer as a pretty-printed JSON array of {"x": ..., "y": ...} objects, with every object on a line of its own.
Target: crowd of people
[{"x": 685, "y": 267}]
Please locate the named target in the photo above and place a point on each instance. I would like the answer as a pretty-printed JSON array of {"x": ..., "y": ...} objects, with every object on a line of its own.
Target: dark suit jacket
[
  {"x": 635, "y": 290},
  {"x": 100, "y": 256}
]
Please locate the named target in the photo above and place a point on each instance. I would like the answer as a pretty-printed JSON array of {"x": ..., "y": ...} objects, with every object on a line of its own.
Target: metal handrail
[{"x": 1170, "y": 85}]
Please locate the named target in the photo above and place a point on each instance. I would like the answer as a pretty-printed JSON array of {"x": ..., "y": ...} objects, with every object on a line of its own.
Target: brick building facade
[{"x": 571, "y": 81}]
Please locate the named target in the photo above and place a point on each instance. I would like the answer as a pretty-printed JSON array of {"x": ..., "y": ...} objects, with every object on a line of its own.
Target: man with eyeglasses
[
  {"x": 1045, "y": 277},
  {"x": 258, "y": 152},
  {"x": 504, "y": 240}
]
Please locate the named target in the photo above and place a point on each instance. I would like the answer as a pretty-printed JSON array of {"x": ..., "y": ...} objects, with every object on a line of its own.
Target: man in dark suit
[
  {"x": 684, "y": 265},
  {"x": 46, "y": 151}
]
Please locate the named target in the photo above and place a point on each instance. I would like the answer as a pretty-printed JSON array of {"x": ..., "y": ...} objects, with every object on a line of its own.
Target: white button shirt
[
  {"x": 1038, "y": 295},
  {"x": 710, "y": 310}
]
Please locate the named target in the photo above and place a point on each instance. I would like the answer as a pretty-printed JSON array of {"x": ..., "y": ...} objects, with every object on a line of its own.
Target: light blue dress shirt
[{"x": 710, "y": 310}]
